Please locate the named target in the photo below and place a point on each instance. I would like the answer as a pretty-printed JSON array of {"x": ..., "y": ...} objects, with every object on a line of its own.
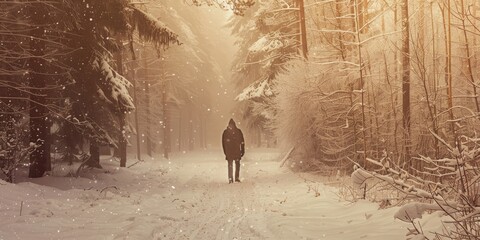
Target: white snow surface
[{"x": 188, "y": 197}]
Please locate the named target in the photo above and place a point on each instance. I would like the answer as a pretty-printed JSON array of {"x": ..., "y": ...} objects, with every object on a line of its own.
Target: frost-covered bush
[
  {"x": 318, "y": 113},
  {"x": 450, "y": 185},
  {"x": 14, "y": 149}
]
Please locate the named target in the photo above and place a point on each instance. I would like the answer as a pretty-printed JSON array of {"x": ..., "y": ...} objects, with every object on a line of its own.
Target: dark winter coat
[{"x": 233, "y": 142}]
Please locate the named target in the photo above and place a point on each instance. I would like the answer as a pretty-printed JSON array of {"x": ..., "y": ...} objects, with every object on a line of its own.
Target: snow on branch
[
  {"x": 449, "y": 185},
  {"x": 266, "y": 44},
  {"x": 153, "y": 30},
  {"x": 114, "y": 85},
  {"x": 360, "y": 175},
  {"x": 255, "y": 90},
  {"x": 237, "y": 6}
]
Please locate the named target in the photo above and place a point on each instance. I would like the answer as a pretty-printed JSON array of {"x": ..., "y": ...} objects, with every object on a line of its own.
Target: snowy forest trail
[{"x": 188, "y": 197}]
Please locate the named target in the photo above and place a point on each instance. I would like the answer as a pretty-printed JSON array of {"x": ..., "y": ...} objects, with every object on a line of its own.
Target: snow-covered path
[{"x": 188, "y": 197}]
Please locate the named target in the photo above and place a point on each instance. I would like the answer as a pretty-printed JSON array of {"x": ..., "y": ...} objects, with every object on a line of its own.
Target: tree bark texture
[
  {"x": 39, "y": 126},
  {"x": 406, "y": 78}
]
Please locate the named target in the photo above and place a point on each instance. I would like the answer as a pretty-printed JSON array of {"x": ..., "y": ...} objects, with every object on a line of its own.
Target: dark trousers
[{"x": 230, "y": 169}]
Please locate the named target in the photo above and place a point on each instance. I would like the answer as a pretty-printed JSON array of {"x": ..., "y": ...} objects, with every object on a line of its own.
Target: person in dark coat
[{"x": 234, "y": 149}]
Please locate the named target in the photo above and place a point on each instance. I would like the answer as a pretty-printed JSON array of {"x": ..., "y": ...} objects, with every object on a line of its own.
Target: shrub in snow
[
  {"x": 13, "y": 148},
  {"x": 450, "y": 185},
  {"x": 70, "y": 164},
  {"x": 318, "y": 113}
]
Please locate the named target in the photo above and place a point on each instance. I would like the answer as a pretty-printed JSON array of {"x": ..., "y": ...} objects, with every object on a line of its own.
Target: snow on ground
[{"x": 188, "y": 197}]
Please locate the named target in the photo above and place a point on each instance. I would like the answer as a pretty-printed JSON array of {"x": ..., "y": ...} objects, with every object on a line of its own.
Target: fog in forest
[
  {"x": 352, "y": 119},
  {"x": 200, "y": 93},
  {"x": 198, "y": 115}
]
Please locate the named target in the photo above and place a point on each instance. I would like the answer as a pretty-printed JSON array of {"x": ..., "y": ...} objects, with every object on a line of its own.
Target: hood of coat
[{"x": 231, "y": 124}]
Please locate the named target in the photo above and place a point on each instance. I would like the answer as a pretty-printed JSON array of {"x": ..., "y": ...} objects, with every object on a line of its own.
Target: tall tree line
[
  {"x": 382, "y": 78},
  {"x": 175, "y": 87},
  {"x": 59, "y": 61}
]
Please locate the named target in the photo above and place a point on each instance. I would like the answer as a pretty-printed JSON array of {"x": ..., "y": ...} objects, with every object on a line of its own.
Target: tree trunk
[
  {"x": 137, "y": 124},
  {"x": 420, "y": 60},
  {"x": 392, "y": 102},
  {"x": 190, "y": 131},
  {"x": 135, "y": 97},
  {"x": 259, "y": 138},
  {"x": 39, "y": 126},
  {"x": 122, "y": 142},
  {"x": 363, "y": 16},
  {"x": 147, "y": 103},
  {"x": 475, "y": 30},
  {"x": 406, "y": 79},
  {"x": 180, "y": 129},
  {"x": 166, "y": 122},
  {"x": 122, "y": 145},
  {"x": 338, "y": 17},
  {"x": 200, "y": 132},
  {"x": 362, "y": 83},
  {"x": 352, "y": 13},
  {"x": 469, "y": 56},
  {"x": 448, "y": 63},
  {"x": 137, "y": 110},
  {"x": 303, "y": 28},
  {"x": 435, "y": 92},
  {"x": 94, "y": 155},
  {"x": 204, "y": 132}
]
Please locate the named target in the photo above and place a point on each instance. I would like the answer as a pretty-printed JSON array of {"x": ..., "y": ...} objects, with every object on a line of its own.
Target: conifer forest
[{"x": 349, "y": 119}]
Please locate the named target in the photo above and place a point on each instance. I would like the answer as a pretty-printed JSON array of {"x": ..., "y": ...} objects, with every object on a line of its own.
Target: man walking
[{"x": 234, "y": 149}]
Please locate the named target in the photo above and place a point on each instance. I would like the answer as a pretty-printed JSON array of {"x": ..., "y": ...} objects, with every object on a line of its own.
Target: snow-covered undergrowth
[
  {"x": 188, "y": 197},
  {"x": 448, "y": 185}
]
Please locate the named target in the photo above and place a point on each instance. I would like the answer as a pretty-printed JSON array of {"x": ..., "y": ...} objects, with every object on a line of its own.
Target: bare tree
[
  {"x": 406, "y": 79},
  {"x": 362, "y": 89}
]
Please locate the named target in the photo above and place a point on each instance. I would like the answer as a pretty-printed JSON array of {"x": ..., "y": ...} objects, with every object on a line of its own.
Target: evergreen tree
[
  {"x": 268, "y": 40},
  {"x": 100, "y": 98}
]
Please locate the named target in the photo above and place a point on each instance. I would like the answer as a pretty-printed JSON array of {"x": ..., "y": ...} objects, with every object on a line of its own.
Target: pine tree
[
  {"x": 264, "y": 53},
  {"x": 102, "y": 26}
]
